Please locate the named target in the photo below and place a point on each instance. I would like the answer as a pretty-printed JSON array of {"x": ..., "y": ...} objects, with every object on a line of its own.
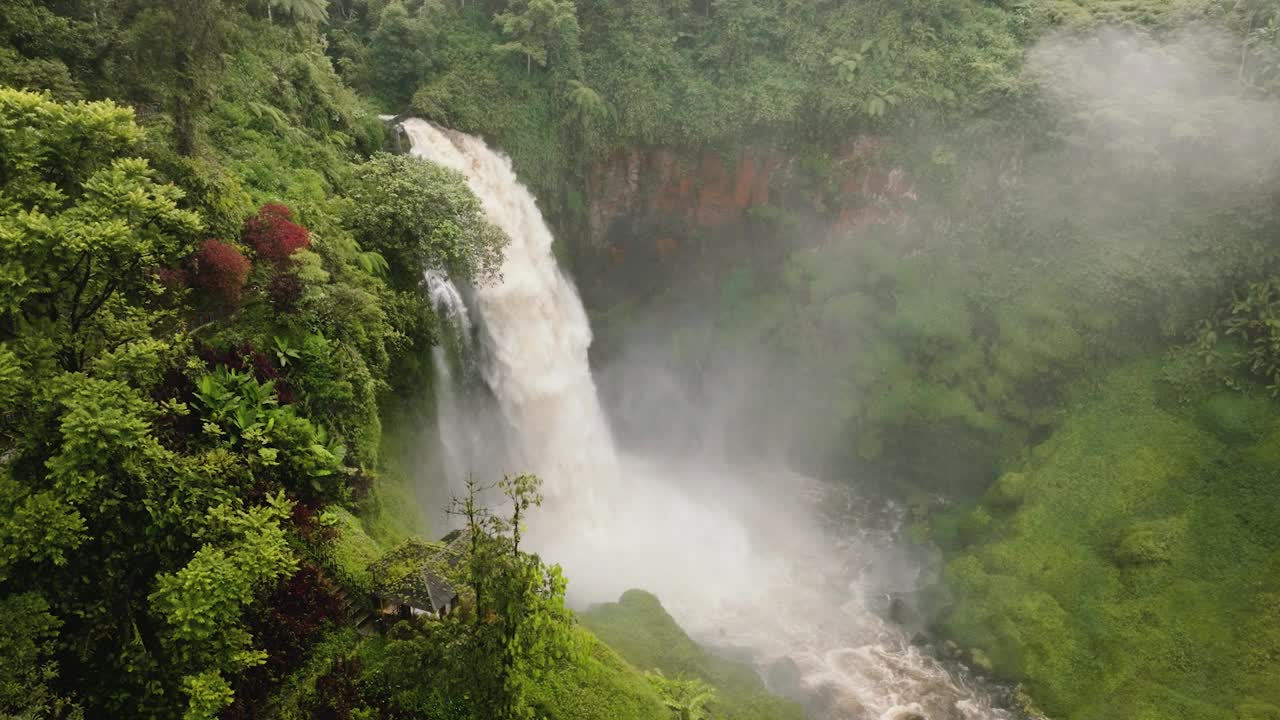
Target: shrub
[
  {"x": 284, "y": 291},
  {"x": 221, "y": 270},
  {"x": 273, "y": 235},
  {"x": 301, "y": 606},
  {"x": 172, "y": 279}
]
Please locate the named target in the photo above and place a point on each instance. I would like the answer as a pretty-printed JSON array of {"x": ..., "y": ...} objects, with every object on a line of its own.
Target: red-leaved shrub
[
  {"x": 306, "y": 518},
  {"x": 284, "y": 291},
  {"x": 171, "y": 278},
  {"x": 221, "y": 270},
  {"x": 285, "y": 624},
  {"x": 273, "y": 235},
  {"x": 338, "y": 691}
]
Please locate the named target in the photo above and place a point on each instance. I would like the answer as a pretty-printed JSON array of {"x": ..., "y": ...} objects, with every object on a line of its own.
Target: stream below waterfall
[{"x": 749, "y": 560}]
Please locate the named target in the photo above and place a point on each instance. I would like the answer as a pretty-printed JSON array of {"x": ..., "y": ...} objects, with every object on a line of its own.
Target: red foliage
[
  {"x": 339, "y": 690},
  {"x": 284, "y": 292},
  {"x": 221, "y": 270},
  {"x": 241, "y": 358},
  {"x": 264, "y": 368},
  {"x": 303, "y": 604},
  {"x": 284, "y": 393},
  {"x": 306, "y": 517},
  {"x": 273, "y": 235},
  {"x": 286, "y": 626},
  {"x": 171, "y": 278}
]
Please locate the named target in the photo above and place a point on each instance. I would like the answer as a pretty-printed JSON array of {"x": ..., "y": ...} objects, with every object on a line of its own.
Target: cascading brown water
[{"x": 738, "y": 555}]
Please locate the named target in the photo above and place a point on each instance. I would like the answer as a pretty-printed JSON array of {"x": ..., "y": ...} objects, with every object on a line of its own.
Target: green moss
[
  {"x": 1007, "y": 492},
  {"x": 602, "y": 686},
  {"x": 1130, "y": 571},
  {"x": 397, "y": 571},
  {"x": 393, "y": 510},
  {"x": 353, "y": 549},
  {"x": 641, "y": 631},
  {"x": 1151, "y": 541},
  {"x": 1257, "y": 711},
  {"x": 1234, "y": 417}
]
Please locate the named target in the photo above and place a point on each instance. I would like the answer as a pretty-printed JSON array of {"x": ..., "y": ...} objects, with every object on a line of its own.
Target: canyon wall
[{"x": 663, "y": 197}]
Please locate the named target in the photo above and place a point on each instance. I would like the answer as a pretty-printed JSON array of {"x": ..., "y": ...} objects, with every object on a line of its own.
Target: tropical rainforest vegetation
[{"x": 1063, "y": 352}]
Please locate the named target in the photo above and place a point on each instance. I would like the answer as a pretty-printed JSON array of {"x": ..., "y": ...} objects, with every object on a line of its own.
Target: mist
[
  {"x": 1161, "y": 106},
  {"x": 733, "y": 544},
  {"x": 678, "y": 475}
]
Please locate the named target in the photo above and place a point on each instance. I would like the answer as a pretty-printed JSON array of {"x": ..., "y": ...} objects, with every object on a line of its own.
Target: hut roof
[
  {"x": 416, "y": 573},
  {"x": 456, "y": 546},
  {"x": 424, "y": 590}
]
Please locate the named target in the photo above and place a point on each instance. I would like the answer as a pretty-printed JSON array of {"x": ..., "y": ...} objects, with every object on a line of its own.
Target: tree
[
  {"x": 80, "y": 223},
  {"x": 399, "y": 52},
  {"x": 94, "y": 501},
  {"x": 687, "y": 699},
  {"x": 419, "y": 216},
  {"x": 37, "y": 46},
  {"x": 519, "y": 627},
  {"x": 27, "y": 634},
  {"x": 188, "y": 60},
  {"x": 539, "y": 30},
  {"x": 588, "y": 107},
  {"x": 203, "y": 602},
  {"x": 303, "y": 11}
]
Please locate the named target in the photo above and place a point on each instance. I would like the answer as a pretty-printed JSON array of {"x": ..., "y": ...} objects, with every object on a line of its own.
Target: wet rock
[
  {"x": 709, "y": 189},
  {"x": 980, "y": 660},
  {"x": 783, "y": 677}
]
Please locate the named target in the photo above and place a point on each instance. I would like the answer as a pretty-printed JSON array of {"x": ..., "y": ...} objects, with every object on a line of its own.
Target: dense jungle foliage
[{"x": 1063, "y": 350}]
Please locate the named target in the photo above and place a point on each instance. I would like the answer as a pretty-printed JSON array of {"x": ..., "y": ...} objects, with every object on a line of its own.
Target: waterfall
[
  {"x": 737, "y": 555},
  {"x": 462, "y": 442},
  {"x": 535, "y": 330}
]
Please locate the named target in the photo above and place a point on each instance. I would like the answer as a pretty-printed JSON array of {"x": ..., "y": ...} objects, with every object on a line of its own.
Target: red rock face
[
  {"x": 710, "y": 190},
  {"x": 703, "y": 193}
]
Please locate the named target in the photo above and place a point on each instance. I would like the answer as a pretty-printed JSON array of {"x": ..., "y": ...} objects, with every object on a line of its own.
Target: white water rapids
[{"x": 738, "y": 556}]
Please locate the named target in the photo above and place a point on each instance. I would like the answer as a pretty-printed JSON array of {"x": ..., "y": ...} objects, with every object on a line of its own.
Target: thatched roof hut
[{"x": 412, "y": 579}]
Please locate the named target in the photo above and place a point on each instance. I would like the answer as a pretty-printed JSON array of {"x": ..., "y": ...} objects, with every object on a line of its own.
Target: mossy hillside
[
  {"x": 642, "y": 632},
  {"x": 394, "y": 509},
  {"x": 352, "y": 550},
  {"x": 600, "y": 686},
  {"x": 1130, "y": 571}
]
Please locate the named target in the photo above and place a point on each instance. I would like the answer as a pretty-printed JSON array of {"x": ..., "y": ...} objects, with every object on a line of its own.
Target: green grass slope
[
  {"x": 601, "y": 686},
  {"x": 642, "y": 632},
  {"x": 1133, "y": 570}
]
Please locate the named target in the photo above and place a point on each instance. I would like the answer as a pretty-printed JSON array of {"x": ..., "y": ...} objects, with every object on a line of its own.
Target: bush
[
  {"x": 273, "y": 235},
  {"x": 284, "y": 291},
  {"x": 420, "y": 216},
  {"x": 221, "y": 271}
]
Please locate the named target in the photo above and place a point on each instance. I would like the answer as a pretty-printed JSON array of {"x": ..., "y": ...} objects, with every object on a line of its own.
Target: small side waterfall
[
  {"x": 461, "y": 443},
  {"x": 738, "y": 555},
  {"x": 448, "y": 303}
]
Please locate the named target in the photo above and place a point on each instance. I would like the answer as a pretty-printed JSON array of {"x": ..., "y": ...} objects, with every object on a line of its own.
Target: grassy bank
[{"x": 1129, "y": 569}]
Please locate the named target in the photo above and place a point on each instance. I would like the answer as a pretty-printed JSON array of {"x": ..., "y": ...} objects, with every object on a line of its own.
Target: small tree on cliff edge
[{"x": 521, "y": 627}]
